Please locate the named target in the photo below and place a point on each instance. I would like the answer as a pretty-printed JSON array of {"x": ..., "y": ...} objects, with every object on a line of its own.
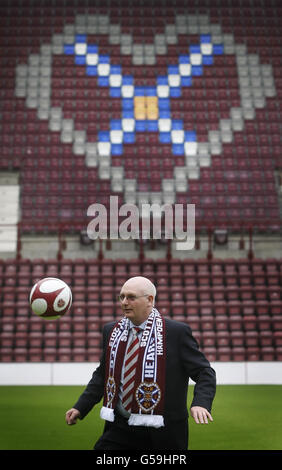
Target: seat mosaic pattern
[
  {"x": 180, "y": 106},
  {"x": 147, "y": 108}
]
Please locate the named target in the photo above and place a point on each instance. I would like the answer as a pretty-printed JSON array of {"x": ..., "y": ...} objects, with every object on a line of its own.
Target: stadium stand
[
  {"x": 176, "y": 102},
  {"x": 227, "y": 325}
]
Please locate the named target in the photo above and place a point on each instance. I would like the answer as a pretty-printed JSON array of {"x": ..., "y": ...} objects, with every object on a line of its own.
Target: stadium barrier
[{"x": 228, "y": 373}]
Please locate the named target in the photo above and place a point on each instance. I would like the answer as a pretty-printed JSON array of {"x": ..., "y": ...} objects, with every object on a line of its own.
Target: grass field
[{"x": 246, "y": 417}]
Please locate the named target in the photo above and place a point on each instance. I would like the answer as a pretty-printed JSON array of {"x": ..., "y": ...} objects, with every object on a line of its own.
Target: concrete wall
[{"x": 73, "y": 373}]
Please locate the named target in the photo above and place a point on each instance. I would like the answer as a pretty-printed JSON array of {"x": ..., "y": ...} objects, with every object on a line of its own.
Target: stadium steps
[{"x": 9, "y": 213}]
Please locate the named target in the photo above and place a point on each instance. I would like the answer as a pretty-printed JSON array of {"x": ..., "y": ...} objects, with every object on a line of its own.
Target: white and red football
[{"x": 50, "y": 298}]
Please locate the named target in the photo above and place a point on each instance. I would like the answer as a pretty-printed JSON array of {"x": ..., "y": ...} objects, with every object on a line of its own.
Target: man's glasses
[{"x": 130, "y": 297}]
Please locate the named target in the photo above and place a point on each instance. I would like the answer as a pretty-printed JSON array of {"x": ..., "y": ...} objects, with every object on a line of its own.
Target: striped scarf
[{"x": 149, "y": 385}]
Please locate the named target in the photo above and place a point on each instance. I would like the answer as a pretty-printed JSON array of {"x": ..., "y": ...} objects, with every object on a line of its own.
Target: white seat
[
  {"x": 161, "y": 49},
  {"x": 117, "y": 186},
  {"x": 164, "y": 125},
  {"x": 55, "y": 124},
  {"x": 185, "y": 70},
  {"x": 128, "y": 125},
  {"x": 80, "y": 137},
  {"x": 206, "y": 48},
  {"x": 126, "y": 49},
  {"x": 92, "y": 59},
  {"x": 270, "y": 91},
  {"x": 191, "y": 161},
  {"x": 196, "y": 58},
  {"x": 163, "y": 91},
  {"x": 214, "y": 136},
  {"x": 80, "y": 48},
  {"x": 169, "y": 197},
  {"x": 78, "y": 148},
  {"x": 226, "y": 136},
  {"x": 117, "y": 173},
  {"x": 104, "y": 148},
  {"x": 237, "y": 124},
  {"x": 116, "y": 137},
  {"x": 137, "y": 49},
  {"x": 168, "y": 185},
  {"x": 138, "y": 59},
  {"x": 174, "y": 80},
  {"x": 104, "y": 173},
  {"x": 156, "y": 198},
  {"x": 181, "y": 185},
  {"x": 114, "y": 39},
  {"x": 177, "y": 136},
  {"x": 150, "y": 59},
  {"x": 103, "y": 70},
  {"x": 216, "y": 148},
  {"x": 190, "y": 148},
  {"x": 194, "y": 173},
  {"x": 143, "y": 198},
  {"x": 115, "y": 80},
  {"x": 66, "y": 137},
  {"x": 105, "y": 161},
  {"x": 67, "y": 124},
  {"x": 127, "y": 91},
  {"x": 130, "y": 185},
  {"x": 180, "y": 173},
  {"x": 204, "y": 160},
  {"x": 91, "y": 150},
  {"x": 130, "y": 197}
]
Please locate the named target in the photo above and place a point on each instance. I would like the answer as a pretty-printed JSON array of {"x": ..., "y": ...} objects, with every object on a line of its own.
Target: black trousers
[{"x": 120, "y": 436}]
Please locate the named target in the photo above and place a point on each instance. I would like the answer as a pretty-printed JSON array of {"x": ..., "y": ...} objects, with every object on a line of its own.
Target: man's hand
[
  {"x": 72, "y": 415},
  {"x": 200, "y": 415}
]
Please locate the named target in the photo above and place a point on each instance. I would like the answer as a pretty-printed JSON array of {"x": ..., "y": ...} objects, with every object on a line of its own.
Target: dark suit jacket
[{"x": 183, "y": 360}]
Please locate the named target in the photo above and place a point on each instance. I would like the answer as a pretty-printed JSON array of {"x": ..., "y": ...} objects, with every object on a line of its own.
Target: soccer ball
[{"x": 50, "y": 298}]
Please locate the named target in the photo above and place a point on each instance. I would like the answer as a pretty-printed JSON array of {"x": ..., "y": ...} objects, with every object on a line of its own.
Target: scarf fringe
[
  {"x": 107, "y": 414},
  {"x": 154, "y": 421}
]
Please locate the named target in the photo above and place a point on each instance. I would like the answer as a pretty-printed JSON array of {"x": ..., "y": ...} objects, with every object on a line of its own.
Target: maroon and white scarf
[{"x": 149, "y": 386}]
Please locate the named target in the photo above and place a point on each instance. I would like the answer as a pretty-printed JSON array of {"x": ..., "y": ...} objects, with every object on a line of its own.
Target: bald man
[{"x": 143, "y": 377}]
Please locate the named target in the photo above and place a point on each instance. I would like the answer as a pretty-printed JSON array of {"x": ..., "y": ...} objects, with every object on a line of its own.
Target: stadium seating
[
  {"x": 227, "y": 329},
  {"x": 53, "y": 144},
  {"x": 208, "y": 135}
]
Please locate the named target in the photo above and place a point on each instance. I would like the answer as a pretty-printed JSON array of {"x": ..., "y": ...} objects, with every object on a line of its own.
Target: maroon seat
[
  {"x": 79, "y": 354},
  {"x": 208, "y": 338},
  {"x": 266, "y": 338},
  {"x": 277, "y": 338},
  {"x": 35, "y": 354},
  {"x": 221, "y": 322},
  {"x": 177, "y": 307},
  {"x": 237, "y": 338},
  {"x": 207, "y": 322},
  {"x": 278, "y": 353},
  {"x": 194, "y": 321},
  {"x": 50, "y": 354},
  {"x": 238, "y": 354},
  {"x": 64, "y": 354},
  {"x": 6, "y": 354},
  {"x": 224, "y": 353},
  {"x": 210, "y": 353},
  {"x": 251, "y": 338},
  {"x": 253, "y": 353},
  {"x": 268, "y": 353},
  {"x": 93, "y": 354},
  {"x": 223, "y": 338}
]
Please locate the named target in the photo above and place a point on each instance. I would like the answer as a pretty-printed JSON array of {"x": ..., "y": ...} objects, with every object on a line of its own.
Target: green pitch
[{"x": 246, "y": 417}]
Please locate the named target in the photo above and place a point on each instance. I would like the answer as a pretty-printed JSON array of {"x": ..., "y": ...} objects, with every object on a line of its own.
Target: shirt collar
[{"x": 142, "y": 326}]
